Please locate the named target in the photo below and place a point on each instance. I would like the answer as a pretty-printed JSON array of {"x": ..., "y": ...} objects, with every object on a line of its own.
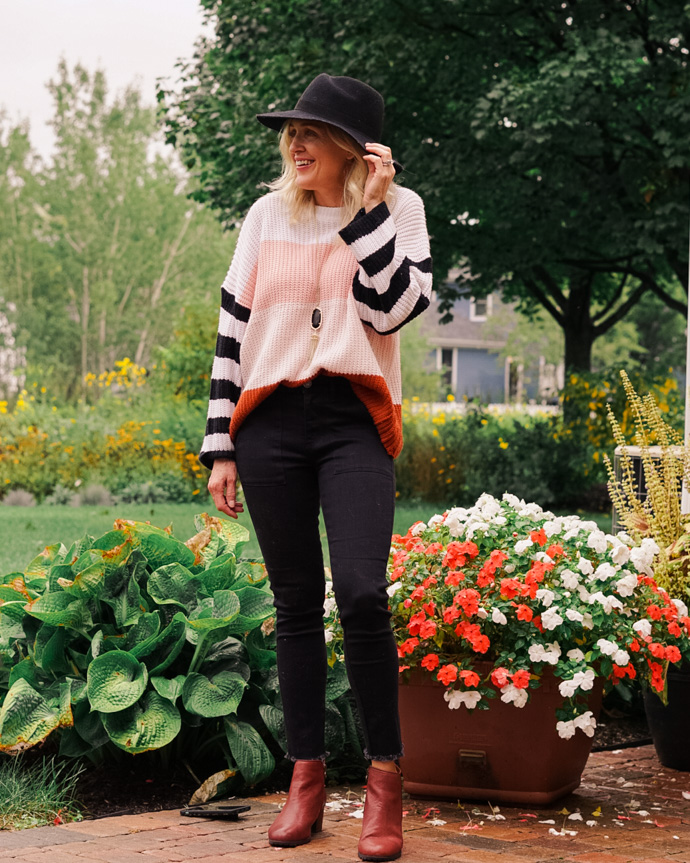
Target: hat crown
[{"x": 345, "y": 101}]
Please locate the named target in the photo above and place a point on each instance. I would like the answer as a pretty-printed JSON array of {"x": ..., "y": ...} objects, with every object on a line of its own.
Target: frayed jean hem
[
  {"x": 321, "y": 758},
  {"x": 383, "y": 757}
]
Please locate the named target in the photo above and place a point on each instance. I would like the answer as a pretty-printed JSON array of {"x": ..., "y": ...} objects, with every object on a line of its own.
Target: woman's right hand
[{"x": 223, "y": 487}]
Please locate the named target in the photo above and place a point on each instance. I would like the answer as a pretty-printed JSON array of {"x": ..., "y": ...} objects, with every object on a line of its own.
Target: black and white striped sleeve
[
  {"x": 226, "y": 374},
  {"x": 393, "y": 282}
]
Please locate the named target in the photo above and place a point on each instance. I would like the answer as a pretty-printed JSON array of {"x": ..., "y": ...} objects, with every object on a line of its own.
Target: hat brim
[{"x": 277, "y": 120}]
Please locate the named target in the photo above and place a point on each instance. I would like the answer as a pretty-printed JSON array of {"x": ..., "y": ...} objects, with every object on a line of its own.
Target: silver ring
[{"x": 386, "y": 161}]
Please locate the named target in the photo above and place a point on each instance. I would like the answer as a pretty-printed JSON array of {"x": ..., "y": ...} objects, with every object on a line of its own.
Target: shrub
[
  {"x": 62, "y": 496},
  {"x": 95, "y": 495},
  {"x": 20, "y": 497},
  {"x": 136, "y": 641}
]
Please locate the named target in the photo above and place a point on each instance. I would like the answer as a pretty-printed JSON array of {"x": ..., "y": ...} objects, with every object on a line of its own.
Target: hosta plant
[
  {"x": 139, "y": 641},
  {"x": 485, "y": 599}
]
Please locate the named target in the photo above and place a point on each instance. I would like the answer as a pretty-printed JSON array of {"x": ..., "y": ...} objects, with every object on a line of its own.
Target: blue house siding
[{"x": 479, "y": 374}]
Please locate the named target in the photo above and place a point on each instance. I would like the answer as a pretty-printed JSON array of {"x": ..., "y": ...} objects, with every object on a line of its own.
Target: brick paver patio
[{"x": 628, "y": 808}]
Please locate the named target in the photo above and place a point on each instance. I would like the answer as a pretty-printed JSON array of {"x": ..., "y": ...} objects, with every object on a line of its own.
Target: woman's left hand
[{"x": 381, "y": 173}]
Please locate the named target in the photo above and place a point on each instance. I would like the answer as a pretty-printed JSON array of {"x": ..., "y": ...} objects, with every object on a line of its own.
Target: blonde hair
[{"x": 301, "y": 202}]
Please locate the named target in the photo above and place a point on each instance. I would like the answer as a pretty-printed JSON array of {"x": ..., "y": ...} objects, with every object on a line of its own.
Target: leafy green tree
[
  {"x": 548, "y": 139},
  {"x": 103, "y": 246}
]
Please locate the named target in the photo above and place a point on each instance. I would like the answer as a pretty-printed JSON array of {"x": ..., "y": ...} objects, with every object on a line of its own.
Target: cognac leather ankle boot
[
  {"x": 302, "y": 815},
  {"x": 382, "y": 823}
]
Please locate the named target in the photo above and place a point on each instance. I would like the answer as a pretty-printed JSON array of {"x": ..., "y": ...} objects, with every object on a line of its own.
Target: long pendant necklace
[{"x": 317, "y": 314}]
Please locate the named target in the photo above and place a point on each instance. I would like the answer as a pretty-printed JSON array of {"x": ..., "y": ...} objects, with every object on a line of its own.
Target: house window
[{"x": 480, "y": 308}]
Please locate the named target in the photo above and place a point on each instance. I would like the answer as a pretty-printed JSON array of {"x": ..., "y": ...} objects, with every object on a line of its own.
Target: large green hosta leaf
[
  {"x": 11, "y": 631},
  {"x": 13, "y": 598},
  {"x": 255, "y": 606},
  {"x": 220, "y": 575},
  {"x": 50, "y": 649},
  {"x": 275, "y": 722},
  {"x": 115, "y": 680},
  {"x": 39, "y": 566},
  {"x": 147, "y": 626},
  {"x": 250, "y": 573},
  {"x": 214, "y": 613},
  {"x": 159, "y": 651},
  {"x": 157, "y": 545},
  {"x": 61, "y": 609},
  {"x": 259, "y": 655},
  {"x": 337, "y": 683},
  {"x": 217, "y": 696},
  {"x": 150, "y": 724},
  {"x": 169, "y": 688},
  {"x": 173, "y": 584},
  {"x": 27, "y": 717},
  {"x": 250, "y": 753},
  {"x": 232, "y": 534}
]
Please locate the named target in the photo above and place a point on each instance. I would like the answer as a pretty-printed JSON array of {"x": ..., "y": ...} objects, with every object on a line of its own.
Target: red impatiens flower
[
  {"x": 657, "y": 675},
  {"x": 430, "y": 662},
  {"x": 429, "y": 608},
  {"x": 447, "y": 674},
  {"x": 469, "y": 678},
  {"x": 657, "y": 650},
  {"x": 428, "y": 581},
  {"x": 427, "y": 629},
  {"x": 407, "y": 647},
  {"x": 453, "y": 579},
  {"x": 520, "y": 679},
  {"x": 674, "y": 629},
  {"x": 468, "y": 600},
  {"x": 672, "y": 654},
  {"x": 555, "y": 550},
  {"x": 434, "y": 548},
  {"x": 510, "y": 587},
  {"x": 450, "y": 614},
  {"x": 524, "y": 612},
  {"x": 654, "y": 612},
  {"x": 415, "y": 621},
  {"x": 500, "y": 677},
  {"x": 417, "y": 594},
  {"x": 539, "y": 536}
]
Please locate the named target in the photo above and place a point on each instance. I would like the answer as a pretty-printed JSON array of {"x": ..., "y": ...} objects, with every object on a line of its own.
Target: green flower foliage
[{"x": 135, "y": 641}]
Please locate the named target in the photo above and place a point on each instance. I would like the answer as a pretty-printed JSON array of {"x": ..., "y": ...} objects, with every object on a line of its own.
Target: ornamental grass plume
[
  {"x": 665, "y": 463},
  {"x": 486, "y": 600}
]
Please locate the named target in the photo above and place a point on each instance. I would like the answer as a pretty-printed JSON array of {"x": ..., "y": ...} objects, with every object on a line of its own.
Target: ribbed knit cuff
[{"x": 364, "y": 223}]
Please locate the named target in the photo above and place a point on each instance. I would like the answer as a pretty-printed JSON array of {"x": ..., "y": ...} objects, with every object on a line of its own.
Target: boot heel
[{"x": 317, "y": 826}]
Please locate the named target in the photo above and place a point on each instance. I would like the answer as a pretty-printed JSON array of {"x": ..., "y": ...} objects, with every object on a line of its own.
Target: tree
[
  {"x": 104, "y": 248},
  {"x": 548, "y": 139}
]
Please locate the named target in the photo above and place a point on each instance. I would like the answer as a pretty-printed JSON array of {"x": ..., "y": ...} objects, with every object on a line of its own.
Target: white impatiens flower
[
  {"x": 572, "y": 614},
  {"x": 566, "y": 730},
  {"x": 455, "y": 520},
  {"x": 608, "y": 648},
  {"x": 643, "y": 556},
  {"x": 604, "y": 571},
  {"x": 417, "y": 528},
  {"x": 607, "y": 602},
  {"x": 509, "y": 567},
  {"x": 570, "y": 579},
  {"x": 482, "y": 613},
  {"x": 546, "y": 596},
  {"x": 621, "y": 657},
  {"x": 510, "y": 694},
  {"x": 586, "y": 722},
  {"x": 522, "y": 545},
  {"x": 583, "y": 593},
  {"x": 643, "y": 628},
  {"x": 551, "y": 528},
  {"x": 587, "y": 621},
  {"x": 543, "y": 557},
  {"x": 456, "y": 699},
  {"x": 575, "y": 654},
  {"x": 580, "y": 680},
  {"x": 435, "y": 519},
  {"x": 585, "y": 566},
  {"x": 490, "y": 508},
  {"x": 328, "y": 634},
  {"x": 329, "y": 604},
  {"x": 511, "y": 500},
  {"x": 620, "y": 553},
  {"x": 394, "y": 588},
  {"x": 551, "y": 619},
  {"x": 567, "y": 688},
  {"x": 550, "y": 653},
  {"x": 497, "y": 616},
  {"x": 597, "y": 541},
  {"x": 499, "y": 519},
  {"x": 626, "y": 586}
]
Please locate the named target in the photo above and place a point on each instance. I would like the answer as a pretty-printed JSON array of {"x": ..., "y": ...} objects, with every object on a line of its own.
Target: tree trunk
[{"x": 85, "y": 309}]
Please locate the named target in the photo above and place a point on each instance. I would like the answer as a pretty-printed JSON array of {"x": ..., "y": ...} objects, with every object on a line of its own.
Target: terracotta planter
[
  {"x": 504, "y": 754},
  {"x": 668, "y": 724}
]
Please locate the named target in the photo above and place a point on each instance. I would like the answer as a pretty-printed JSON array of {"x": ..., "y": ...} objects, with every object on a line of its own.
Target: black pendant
[{"x": 316, "y": 318}]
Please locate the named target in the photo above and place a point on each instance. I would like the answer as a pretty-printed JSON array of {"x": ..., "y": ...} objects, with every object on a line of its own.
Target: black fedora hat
[{"x": 343, "y": 102}]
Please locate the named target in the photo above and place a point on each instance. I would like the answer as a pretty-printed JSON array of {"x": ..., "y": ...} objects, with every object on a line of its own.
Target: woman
[{"x": 305, "y": 406}]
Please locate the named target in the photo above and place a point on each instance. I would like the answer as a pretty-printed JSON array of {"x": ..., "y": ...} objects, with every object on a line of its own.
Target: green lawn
[{"x": 25, "y": 531}]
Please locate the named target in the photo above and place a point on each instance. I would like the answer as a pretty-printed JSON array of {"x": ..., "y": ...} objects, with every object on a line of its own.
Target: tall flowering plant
[{"x": 513, "y": 586}]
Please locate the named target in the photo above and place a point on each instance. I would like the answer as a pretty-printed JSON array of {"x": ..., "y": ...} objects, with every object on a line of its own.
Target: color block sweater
[{"x": 368, "y": 284}]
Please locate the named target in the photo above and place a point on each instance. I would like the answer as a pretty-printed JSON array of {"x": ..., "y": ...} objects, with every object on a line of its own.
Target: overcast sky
[{"x": 133, "y": 41}]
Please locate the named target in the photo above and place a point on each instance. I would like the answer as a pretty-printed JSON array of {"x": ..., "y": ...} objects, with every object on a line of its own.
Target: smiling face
[{"x": 320, "y": 164}]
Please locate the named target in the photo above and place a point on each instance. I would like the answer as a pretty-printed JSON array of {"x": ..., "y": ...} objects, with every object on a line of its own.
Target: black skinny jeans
[{"x": 305, "y": 447}]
